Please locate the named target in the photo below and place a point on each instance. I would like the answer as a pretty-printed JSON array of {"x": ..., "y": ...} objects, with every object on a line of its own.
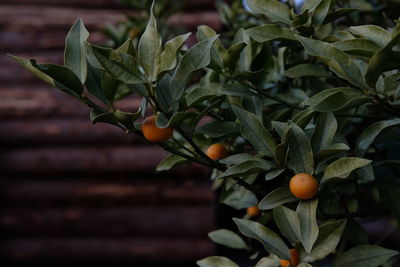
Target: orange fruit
[
  {"x": 303, "y": 186},
  {"x": 284, "y": 263},
  {"x": 294, "y": 259},
  {"x": 253, "y": 211},
  {"x": 154, "y": 134},
  {"x": 217, "y": 151}
]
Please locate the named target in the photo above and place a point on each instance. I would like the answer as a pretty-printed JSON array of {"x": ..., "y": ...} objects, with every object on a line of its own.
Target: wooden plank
[
  {"x": 62, "y": 132},
  {"x": 143, "y": 221},
  {"x": 99, "y": 4},
  {"x": 105, "y": 250},
  {"x": 70, "y": 192},
  {"x": 85, "y": 160},
  {"x": 43, "y": 101}
]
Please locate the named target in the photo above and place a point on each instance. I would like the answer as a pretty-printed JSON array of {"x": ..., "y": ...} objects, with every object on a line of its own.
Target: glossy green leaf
[
  {"x": 106, "y": 117},
  {"x": 127, "y": 47},
  {"x": 169, "y": 162},
  {"x": 335, "y": 99},
  {"x": 342, "y": 168},
  {"x": 338, "y": 61},
  {"x": 321, "y": 11},
  {"x": 368, "y": 136},
  {"x": 324, "y": 132},
  {"x": 57, "y": 76},
  {"x": 93, "y": 84},
  {"x": 273, "y": 174},
  {"x": 75, "y": 50},
  {"x": 238, "y": 158},
  {"x": 303, "y": 70},
  {"x": 274, "y": 10},
  {"x": 333, "y": 149},
  {"x": 121, "y": 66},
  {"x": 246, "y": 55},
  {"x": 329, "y": 236},
  {"x": 246, "y": 168},
  {"x": 307, "y": 214},
  {"x": 253, "y": 130},
  {"x": 362, "y": 47},
  {"x": 227, "y": 238},
  {"x": 149, "y": 48},
  {"x": 270, "y": 240},
  {"x": 374, "y": 33},
  {"x": 288, "y": 223},
  {"x": 240, "y": 198},
  {"x": 168, "y": 58},
  {"x": 364, "y": 256},
  {"x": 218, "y": 128},
  {"x": 269, "y": 32},
  {"x": 216, "y": 261},
  {"x": 334, "y": 15},
  {"x": 205, "y": 32},
  {"x": 197, "y": 57},
  {"x": 232, "y": 55},
  {"x": 276, "y": 198},
  {"x": 270, "y": 261},
  {"x": 301, "y": 158}
]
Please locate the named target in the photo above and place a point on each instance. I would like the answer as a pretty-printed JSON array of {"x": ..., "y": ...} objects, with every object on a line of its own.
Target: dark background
[{"x": 74, "y": 193}]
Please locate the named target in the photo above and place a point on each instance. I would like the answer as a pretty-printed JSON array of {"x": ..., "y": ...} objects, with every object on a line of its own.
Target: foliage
[{"x": 291, "y": 90}]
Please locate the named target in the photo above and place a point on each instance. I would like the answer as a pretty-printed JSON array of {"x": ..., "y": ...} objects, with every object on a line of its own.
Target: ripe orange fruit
[
  {"x": 253, "y": 211},
  {"x": 284, "y": 263},
  {"x": 294, "y": 259},
  {"x": 217, "y": 151},
  {"x": 154, "y": 134},
  {"x": 303, "y": 186}
]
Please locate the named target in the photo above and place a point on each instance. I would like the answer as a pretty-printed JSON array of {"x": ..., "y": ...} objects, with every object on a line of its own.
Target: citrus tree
[{"x": 297, "y": 114}]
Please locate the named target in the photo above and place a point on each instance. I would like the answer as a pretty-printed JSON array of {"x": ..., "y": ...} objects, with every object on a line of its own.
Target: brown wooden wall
[{"x": 72, "y": 192}]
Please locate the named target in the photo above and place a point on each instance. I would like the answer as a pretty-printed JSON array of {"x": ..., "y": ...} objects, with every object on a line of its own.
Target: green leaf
[
  {"x": 270, "y": 261},
  {"x": 304, "y": 264},
  {"x": 329, "y": 236},
  {"x": 246, "y": 168},
  {"x": 335, "y": 99},
  {"x": 384, "y": 60},
  {"x": 121, "y": 66},
  {"x": 239, "y": 198},
  {"x": 342, "y": 168},
  {"x": 368, "y": 136},
  {"x": 362, "y": 47},
  {"x": 331, "y": 150},
  {"x": 93, "y": 84},
  {"x": 270, "y": 240},
  {"x": 106, "y": 117},
  {"x": 325, "y": 130},
  {"x": 164, "y": 100},
  {"x": 75, "y": 50},
  {"x": 374, "y": 33},
  {"x": 57, "y": 76},
  {"x": 253, "y": 130},
  {"x": 321, "y": 11},
  {"x": 205, "y": 32},
  {"x": 238, "y": 158},
  {"x": 232, "y": 55},
  {"x": 216, "y": 261},
  {"x": 218, "y": 128},
  {"x": 303, "y": 70},
  {"x": 227, "y": 238},
  {"x": 338, "y": 61},
  {"x": 246, "y": 55},
  {"x": 334, "y": 15},
  {"x": 274, "y": 10},
  {"x": 364, "y": 256},
  {"x": 197, "y": 57},
  {"x": 300, "y": 152},
  {"x": 288, "y": 223},
  {"x": 169, "y": 162},
  {"x": 276, "y": 198},
  {"x": 306, "y": 211},
  {"x": 269, "y": 32},
  {"x": 273, "y": 174},
  {"x": 169, "y": 55},
  {"x": 149, "y": 48},
  {"x": 127, "y": 48}
]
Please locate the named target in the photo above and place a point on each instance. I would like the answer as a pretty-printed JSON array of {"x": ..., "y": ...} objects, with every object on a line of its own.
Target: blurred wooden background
[{"x": 76, "y": 193}]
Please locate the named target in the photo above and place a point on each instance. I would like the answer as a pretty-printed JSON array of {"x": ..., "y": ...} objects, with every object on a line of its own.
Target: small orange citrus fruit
[
  {"x": 303, "y": 186},
  {"x": 253, "y": 211},
  {"x": 294, "y": 259},
  {"x": 154, "y": 134},
  {"x": 217, "y": 151}
]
